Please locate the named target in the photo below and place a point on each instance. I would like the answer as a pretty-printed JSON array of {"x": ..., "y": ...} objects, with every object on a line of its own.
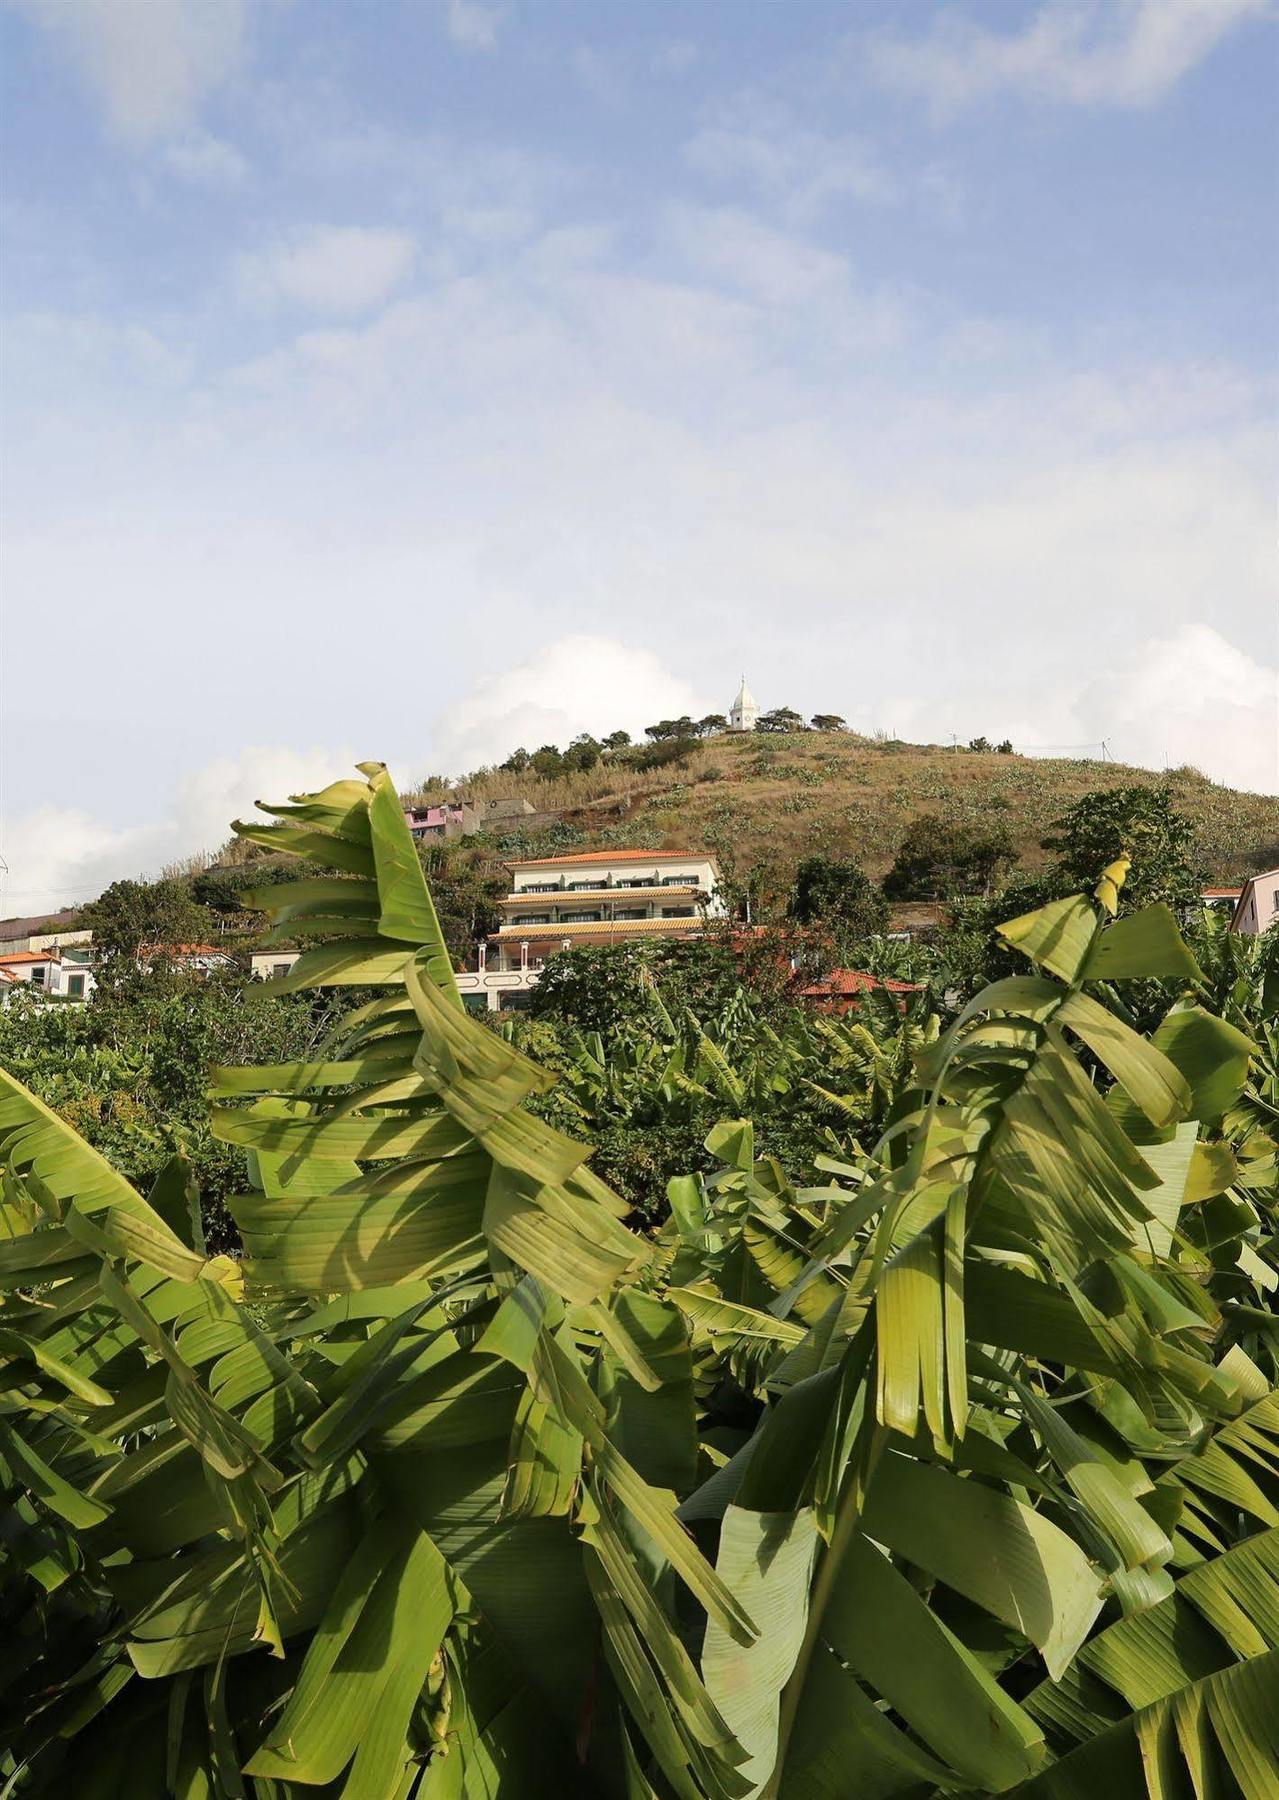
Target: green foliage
[
  {"x": 1141, "y": 823},
  {"x": 597, "y": 987},
  {"x": 129, "y": 916},
  {"x": 665, "y": 730},
  {"x": 129, "y": 1070},
  {"x": 780, "y": 719},
  {"x": 466, "y": 889},
  {"x": 938, "y": 860},
  {"x": 839, "y": 894},
  {"x": 221, "y": 889},
  {"x": 828, "y": 722},
  {"x": 956, "y": 1472},
  {"x": 662, "y": 753}
]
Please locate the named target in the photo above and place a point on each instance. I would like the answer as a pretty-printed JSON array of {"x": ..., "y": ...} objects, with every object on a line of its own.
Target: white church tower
[{"x": 745, "y": 710}]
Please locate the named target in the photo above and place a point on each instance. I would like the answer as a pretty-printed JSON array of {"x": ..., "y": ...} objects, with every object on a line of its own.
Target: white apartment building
[{"x": 560, "y": 902}]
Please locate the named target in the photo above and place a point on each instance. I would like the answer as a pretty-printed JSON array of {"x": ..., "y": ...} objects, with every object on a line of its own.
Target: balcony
[{"x": 651, "y": 891}]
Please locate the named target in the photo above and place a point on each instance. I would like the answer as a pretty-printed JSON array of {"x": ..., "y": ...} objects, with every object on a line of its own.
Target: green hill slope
[{"x": 778, "y": 798}]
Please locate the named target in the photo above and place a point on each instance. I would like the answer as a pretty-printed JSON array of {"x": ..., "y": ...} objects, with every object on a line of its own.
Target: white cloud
[
  {"x": 207, "y": 161},
  {"x": 718, "y": 467},
  {"x": 578, "y": 683},
  {"x": 1191, "y": 697},
  {"x": 1082, "y": 52},
  {"x": 472, "y": 25},
  {"x": 60, "y": 855},
  {"x": 341, "y": 269},
  {"x": 151, "y": 63},
  {"x": 675, "y": 58},
  {"x": 787, "y": 164}
]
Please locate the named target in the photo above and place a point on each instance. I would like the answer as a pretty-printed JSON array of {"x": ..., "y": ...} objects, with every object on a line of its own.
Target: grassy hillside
[{"x": 778, "y": 798}]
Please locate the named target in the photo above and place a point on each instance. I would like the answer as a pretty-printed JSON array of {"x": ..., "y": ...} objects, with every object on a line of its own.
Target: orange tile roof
[
  {"x": 856, "y": 981},
  {"x": 28, "y": 956},
  {"x": 1221, "y": 893},
  {"x": 183, "y": 950},
  {"x": 609, "y": 856}
]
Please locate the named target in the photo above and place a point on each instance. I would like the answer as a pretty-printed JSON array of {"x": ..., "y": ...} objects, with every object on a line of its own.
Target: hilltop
[{"x": 778, "y": 797}]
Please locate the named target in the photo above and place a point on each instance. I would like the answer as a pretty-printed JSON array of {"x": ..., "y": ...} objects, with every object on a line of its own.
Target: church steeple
[{"x": 744, "y": 711}]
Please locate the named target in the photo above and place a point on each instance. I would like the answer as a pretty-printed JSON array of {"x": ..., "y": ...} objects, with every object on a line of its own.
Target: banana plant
[
  {"x": 1007, "y": 1514},
  {"x": 956, "y": 1473},
  {"x": 386, "y": 1508}
]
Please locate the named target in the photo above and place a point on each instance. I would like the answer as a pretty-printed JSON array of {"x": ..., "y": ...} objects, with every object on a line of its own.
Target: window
[
  {"x": 75, "y": 987},
  {"x": 578, "y": 918},
  {"x": 280, "y": 968},
  {"x": 540, "y": 887},
  {"x": 38, "y": 975},
  {"x": 532, "y": 919},
  {"x": 679, "y": 881},
  {"x": 630, "y": 912},
  {"x": 678, "y": 912},
  {"x": 578, "y": 887},
  {"x": 642, "y": 881}
]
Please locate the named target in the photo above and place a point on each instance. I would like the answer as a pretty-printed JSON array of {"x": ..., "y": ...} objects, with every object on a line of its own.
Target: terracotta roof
[
  {"x": 610, "y": 856},
  {"x": 1220, "y": 893},
  {"x": 183, "y": 950},
  {"x": 30, "y": 956},
  {"x": 856, "y": 981}
]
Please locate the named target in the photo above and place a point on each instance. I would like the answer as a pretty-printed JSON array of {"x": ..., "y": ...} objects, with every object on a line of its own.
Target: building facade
[
  {"x": 744, "y": 712},
  {"x": 62, "y": 972},
  {"x": 1257, "y": 908},
  {"x": 591, "y": 897}
]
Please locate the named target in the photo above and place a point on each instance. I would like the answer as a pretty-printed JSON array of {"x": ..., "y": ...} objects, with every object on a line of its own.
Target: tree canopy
[
  {"x": 938, "y": 859},
  {"x": 1141, "y": 823}
]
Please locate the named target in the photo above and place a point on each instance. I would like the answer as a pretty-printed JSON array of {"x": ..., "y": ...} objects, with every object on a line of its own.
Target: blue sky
[{"x": 416, "y": 380}]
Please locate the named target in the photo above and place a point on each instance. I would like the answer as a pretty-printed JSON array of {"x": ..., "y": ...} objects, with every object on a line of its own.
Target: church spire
[{"x": 744, "y": 711}]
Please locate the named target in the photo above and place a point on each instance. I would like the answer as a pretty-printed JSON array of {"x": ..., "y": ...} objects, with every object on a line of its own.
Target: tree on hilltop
[{"x": 781, "y": 718}]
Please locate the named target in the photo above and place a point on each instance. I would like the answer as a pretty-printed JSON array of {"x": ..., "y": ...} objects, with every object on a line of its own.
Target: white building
[
  {"x": 560, "y": 902},
  {"x": 591, "y": 897},
  {"x": 744, "y": 711},
  {"x": 265, "y": 965},
  {"x": 61, "y": 972},
  {"x": 1257, "y": 909}
]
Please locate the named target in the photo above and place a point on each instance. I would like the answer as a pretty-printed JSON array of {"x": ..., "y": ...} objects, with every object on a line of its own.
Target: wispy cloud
[
  {"x": 473, "y": 25},
  {"x": 335, "y": 269},
  {"x": 150, "y": 63},
  {"x": 788, "y": 164},
  {"x": 207, "y": 161},
  {"x": 1081, "y": 52}
]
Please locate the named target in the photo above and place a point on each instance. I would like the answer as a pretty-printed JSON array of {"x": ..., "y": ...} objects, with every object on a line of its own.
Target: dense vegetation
[
  {"x": 779, "y": 796},
  {"x": 953, "y": 1470}
]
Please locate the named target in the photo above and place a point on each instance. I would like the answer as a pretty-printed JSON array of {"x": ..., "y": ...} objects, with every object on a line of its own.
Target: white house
[
  {"x": 1257, "y": 908},
  {"x": 267, "y": 964},
  {"x": 63, "y": 973},
  {"x": 744, "y": 711}
]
